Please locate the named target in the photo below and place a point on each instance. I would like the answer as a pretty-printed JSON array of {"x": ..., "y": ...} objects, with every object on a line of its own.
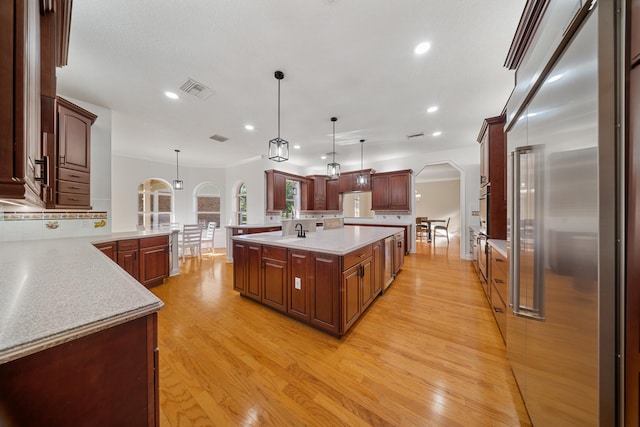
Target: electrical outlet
[{"x": 297, "y": 283}]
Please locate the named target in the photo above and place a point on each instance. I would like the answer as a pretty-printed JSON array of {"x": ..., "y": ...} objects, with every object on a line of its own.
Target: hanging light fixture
[
  {"x": 333, "y": 168},
  {"x": 361, "y": 179},
  {"x": 278, "y": 147},
  {"x": 178, "y": 184}
]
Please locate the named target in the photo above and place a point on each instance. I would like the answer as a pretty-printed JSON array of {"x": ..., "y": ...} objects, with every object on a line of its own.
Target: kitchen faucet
[{"x": 301, "y": 232}]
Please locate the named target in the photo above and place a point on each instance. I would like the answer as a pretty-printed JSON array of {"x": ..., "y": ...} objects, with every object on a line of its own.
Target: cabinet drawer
[
  {"x": 499, "y": 276},
  {"x": 272, "y": 252},
  {"x": 73, "y": 187},
  {"x": 499, "y": 309},
  {"x": 73, "y": 199},
  {"x": 149, "y": 242},
  {"x": 72, "y": 175},
  {"x": 352, "y": 258},
  {"x": 126, "y": 245}
]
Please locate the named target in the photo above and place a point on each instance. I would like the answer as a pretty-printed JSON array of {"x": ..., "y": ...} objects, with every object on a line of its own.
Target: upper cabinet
[
  {"x": 276, "y": 190},
  {"x": 333, "y": 195},
  {"x": 70, "y": 188},
  {"x": 21, "y": 164},
  {"x": 391, "y": 191},
  {"x": 33, "y": 41},
  {"x": 493, "y": 173},
  {"x": 348, "y": 181}
]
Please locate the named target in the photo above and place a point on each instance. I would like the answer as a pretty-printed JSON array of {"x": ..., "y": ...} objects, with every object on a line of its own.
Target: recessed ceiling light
[
  {"x": 432, "y": 109},
  {"x": 248, "y": 127},
  {"x": 323, "y": 157},
  {"x": 296, "y": 147},
  {"x": 171, "y": 95},
  {"x": 436, "y": 133},
  {"x": 422, "y": 48}
]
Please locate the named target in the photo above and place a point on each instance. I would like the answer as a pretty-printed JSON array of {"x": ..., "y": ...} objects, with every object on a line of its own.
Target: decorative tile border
[{"x": 51, "y": 216}]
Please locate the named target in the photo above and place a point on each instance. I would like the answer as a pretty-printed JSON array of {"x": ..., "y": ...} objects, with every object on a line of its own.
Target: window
[
  {"x": 292, "y": 199},
  {"x": 154, "y": 204},
  {"x": 208, "y": 204},
  {"x": 242, "y": 204}
]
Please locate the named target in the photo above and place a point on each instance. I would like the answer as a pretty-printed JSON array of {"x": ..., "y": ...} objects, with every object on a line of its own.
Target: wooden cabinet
[
  {"x": 319, "y": 184},
  {"x": 300, "y": 285},
  {"x": 276, "y": 190},
  {"x": 108, "y": 378},
  {"x": 348, "y": 181},
  {"x": 391, "y": 191},
  {"x": 274, "y": 277},
  {"x": 70, "y": 188},
  {"x": 378, "y": 267},
  {"x": 246, "y": 269},
  {"x": 493, "y": 174},
  {"x": 110, "y": 249},
  {"x": 20, "y": 105},
  {"x": 499, "y": 294},
  {"x": 154, "y": 260},
  {"x": 240, "y": 265},
  {"x": 128, "y": 257},
  {"x": 325, "y": 294},
  {"x": 357, "y": 284},
  {"x": 398, "y": 252},
  {"x": 333, "y": 196}
]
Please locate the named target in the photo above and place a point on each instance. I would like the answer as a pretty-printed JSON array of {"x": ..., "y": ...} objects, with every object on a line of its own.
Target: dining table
[{"x": 428, "y": 222}]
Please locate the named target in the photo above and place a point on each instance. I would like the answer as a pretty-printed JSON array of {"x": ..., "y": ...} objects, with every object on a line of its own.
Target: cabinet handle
[
  {"x": 399, "y": 244},
  {"x": 62, "y": 160},
  {"x": 499, "y": 259},
  {"x": 75, "y": 176},
  {"x": 75, "y": 188},
  {"x": 360, "y": 256},
  {"x": 498, "y": 281},
  {"x": 497, "y": 310}
]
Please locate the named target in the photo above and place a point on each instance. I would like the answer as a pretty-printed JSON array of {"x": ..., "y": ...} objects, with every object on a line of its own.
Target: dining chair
[
  {"x": 421, "y": 228},
  {"x": 209, "y": 234},
  {"x": 191, "y": 239},
  {"x": 444, "y": 228}
]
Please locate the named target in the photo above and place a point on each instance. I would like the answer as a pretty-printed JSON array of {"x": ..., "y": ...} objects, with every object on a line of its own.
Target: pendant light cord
[
  {"x": 278, "y": 108},
  {"x": 177, "y": 173},
  {"x": 361, "y": 155},
  {"x": 334, "y": 141}
]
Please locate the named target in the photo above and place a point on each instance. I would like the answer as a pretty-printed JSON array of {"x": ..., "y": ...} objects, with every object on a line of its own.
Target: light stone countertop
[
  {"x": 499, "y": 245},
  {"x": 339, "y": 241},
  {"x": 58, "y": 290},
  {"x": 377, "y": 221}
]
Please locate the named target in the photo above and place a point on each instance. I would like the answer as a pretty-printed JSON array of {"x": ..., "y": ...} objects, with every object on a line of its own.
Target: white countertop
[
  {"x": 53, "y": 291},
  {"x": 377, "y": 221},
  {"x": 339, "y": 241},
  {"x": 499, "y": 245}
]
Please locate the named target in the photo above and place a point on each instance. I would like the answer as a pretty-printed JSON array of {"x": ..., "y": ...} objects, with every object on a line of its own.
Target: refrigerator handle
[{"x": 514, "y": 271}]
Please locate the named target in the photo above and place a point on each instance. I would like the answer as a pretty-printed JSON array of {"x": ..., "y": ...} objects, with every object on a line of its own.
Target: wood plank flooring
[{"x": 426, "y": 353}]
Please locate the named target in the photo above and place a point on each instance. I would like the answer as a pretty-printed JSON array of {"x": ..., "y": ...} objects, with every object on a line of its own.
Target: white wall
[{"x": 440, "y": 200}]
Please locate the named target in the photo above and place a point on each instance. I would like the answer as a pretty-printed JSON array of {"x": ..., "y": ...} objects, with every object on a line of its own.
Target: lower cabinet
[
  {"x": 146, "y": 259},
  {"x": 312, "y": 287},
  {"x": 499, "y": 294},
  {"x": 108, "y": 378},
  {"x": 398, "y": 252}
]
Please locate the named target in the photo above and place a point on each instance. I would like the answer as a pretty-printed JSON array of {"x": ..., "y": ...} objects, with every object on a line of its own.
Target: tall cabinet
[{"x": 493, "y": 174}]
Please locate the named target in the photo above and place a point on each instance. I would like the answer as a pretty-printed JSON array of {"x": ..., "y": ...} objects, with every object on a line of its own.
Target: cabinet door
[
  {"x": 399, "y": 189},
  {"x": 154, "y": 265},
  {"x": 319, "y": 193},
  {"x": 325, "y": 294},
  {"x": 333, "y": 197},
  {"x": 398, "y": 253},
  {"x": 300, "y": 286},
  {"x": 240, "y": 260},
  {"x": 128, "y": 260},
  {"x": 74, "y": 139},
  {"x": 379, "y": 192},
  {"x": 254, "y": 261},
  {"x": 109, "y": 249},
  {"x": 274, "y": 278},
  {"x": 378, "y": 267},
  {"x": 367, "y": 274},
  {"x": 350, "y": 296},
  {"x": 20, "y": 141}
]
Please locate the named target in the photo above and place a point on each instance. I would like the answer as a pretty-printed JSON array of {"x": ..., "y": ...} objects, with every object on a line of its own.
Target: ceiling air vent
[
  {"x": 218, "y": 138},
  {"x": 195, "y": 88},
  {"x": 415, "y": 135}
]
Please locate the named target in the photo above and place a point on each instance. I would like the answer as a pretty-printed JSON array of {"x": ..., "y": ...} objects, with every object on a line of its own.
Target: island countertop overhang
[{"x": 339, "y": 241}]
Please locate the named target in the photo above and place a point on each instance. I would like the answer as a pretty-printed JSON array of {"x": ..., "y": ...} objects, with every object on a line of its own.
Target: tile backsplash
[{"x": 52, "y": 225}]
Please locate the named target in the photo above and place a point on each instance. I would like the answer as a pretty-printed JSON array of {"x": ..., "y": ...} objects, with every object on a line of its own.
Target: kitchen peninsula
[{"x": 327, "y": 279}]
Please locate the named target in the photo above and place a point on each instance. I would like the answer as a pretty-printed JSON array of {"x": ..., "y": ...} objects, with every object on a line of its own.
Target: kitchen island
[
  {"x": 78, "y": 336},
  {"x": 327, "y": 279}
]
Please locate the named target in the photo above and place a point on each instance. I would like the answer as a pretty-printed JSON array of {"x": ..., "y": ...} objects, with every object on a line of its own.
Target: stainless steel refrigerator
[{"x": 552, "y": 328}]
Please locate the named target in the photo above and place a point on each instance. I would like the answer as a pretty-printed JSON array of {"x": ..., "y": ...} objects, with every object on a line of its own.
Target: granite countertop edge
[{"x": 498, "y": 245}]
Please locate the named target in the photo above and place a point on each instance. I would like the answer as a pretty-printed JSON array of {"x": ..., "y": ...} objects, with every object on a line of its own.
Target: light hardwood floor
[{"x": 426, "y": 353}]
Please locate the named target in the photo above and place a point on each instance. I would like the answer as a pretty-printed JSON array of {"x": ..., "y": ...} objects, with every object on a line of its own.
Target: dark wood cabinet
[
  {"x": 240, "y": 264},
  {"x": 128, "y": 257},
  {"x": 351, "y": 296},
  {"x": 499, "y": 285},
  {"x": 378, "y": 267},
  {"x": 154, "y": 260},
  {"x": 300, "y": 285},
  {"x": 72, "y": 169},
  {"x": 110, "y": 249},
  {"x": 319, "y": 185},
  {"x": 247, "y": 261},
  {"x": 333, "y": 197},
  {"x": 20, "y": 106},
  {"x": 493, "y": 174},
  {"x": 276, "y": 190},
  {"x": 325, "y": 295},
  {"x": 348, "y": 181},
  {"x": 274, "y": 277},
  {"x": 391, "y": 191},
  {"x": 108, "y": 378},
  {"x": 357, "y": 284}
]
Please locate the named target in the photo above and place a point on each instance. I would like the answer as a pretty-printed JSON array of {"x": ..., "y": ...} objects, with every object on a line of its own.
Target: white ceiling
[{"x": 347, "y": 58}]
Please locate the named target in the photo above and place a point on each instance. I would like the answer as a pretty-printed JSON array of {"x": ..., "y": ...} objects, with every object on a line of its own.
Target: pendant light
[
  {"x": 278, "y": 147},
  {"x": 178, "y": 184},
  {"x": 333, "y": 168},
  {"x": 361, "y": 179}
]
